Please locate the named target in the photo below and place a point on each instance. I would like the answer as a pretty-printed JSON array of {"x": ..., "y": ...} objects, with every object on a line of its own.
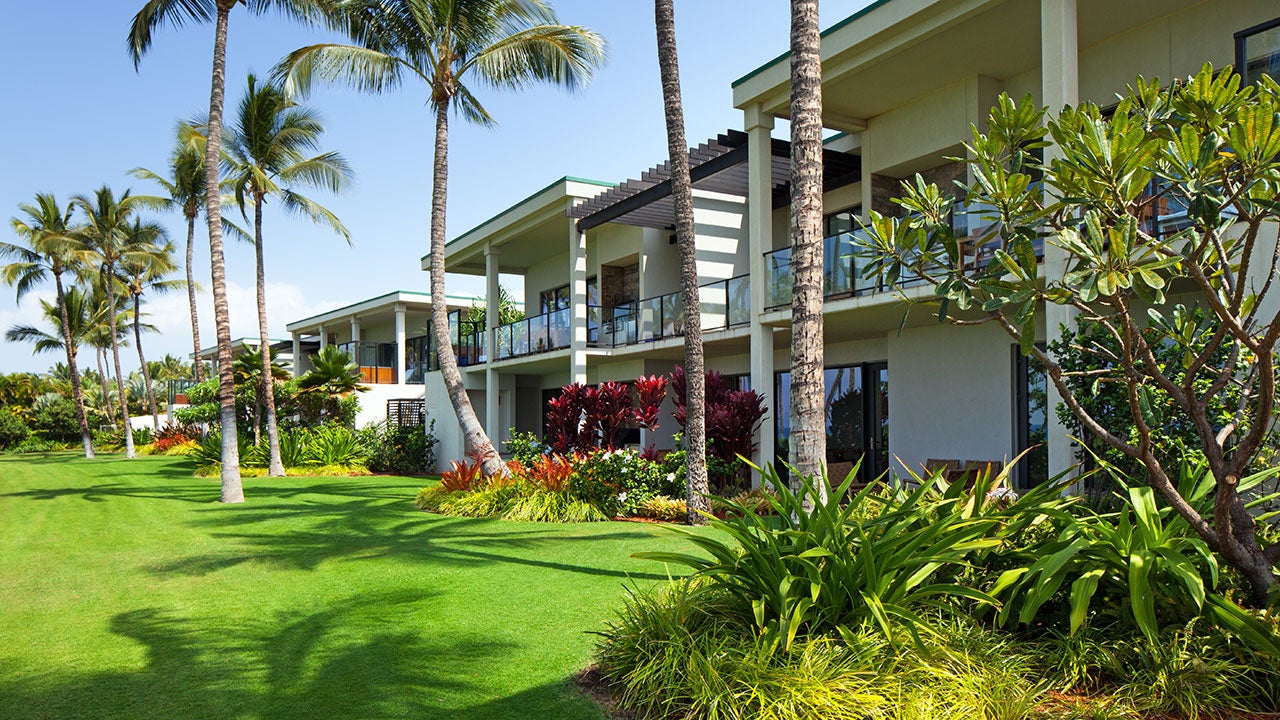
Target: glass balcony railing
[
  {"x": 724, "y": 304},
  {"x": 839, "y": 267},
  {"x": 377, "y": 361},
  {"x": 537, "y": 334}
]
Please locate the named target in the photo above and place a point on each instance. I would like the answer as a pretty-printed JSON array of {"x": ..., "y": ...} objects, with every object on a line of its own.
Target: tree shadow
[
  {"x": 365, "y": 529},
  {"x": 342, "y": 661}
]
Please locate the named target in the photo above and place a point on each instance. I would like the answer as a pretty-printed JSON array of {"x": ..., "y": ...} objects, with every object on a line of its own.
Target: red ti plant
[
  {"x": 609, "y": 407},
  {"x": 650, "y": 391},
  {"x": 565, "y": 429},
  {"x": 732, "y": 415}
]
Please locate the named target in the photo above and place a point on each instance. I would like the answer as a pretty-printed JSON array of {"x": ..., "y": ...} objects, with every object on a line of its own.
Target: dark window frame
[{"x": 1022, "y": 416}]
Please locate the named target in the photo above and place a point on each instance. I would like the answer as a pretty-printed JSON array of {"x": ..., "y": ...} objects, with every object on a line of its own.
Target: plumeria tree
[{"x": 1205, "y": 149}]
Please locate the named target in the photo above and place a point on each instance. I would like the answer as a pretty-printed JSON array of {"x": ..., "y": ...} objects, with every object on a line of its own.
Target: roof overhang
[
  {"x": 523, "y": 233},
  {"x": 718, "y": 165},
  {"x": 409, "y": 299},
  {"x": 895, "y": 51}
]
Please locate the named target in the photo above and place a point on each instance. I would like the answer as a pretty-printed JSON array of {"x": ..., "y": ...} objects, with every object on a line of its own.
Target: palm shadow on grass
[
  {"x": 337, "y": 662},
  {"x": 356, "y": 527}
]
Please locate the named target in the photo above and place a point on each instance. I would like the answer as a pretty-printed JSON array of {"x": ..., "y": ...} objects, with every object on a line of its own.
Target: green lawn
[{"x": 126, "y": 592}]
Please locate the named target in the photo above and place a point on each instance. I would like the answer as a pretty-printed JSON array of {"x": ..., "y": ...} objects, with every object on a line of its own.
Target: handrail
[{"x": 724, "y": 304}]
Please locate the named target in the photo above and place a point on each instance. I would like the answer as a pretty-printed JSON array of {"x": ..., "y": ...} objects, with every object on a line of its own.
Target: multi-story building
[
  {"x": 387, "y": 337},
  {"x": 903, "y": 81}
]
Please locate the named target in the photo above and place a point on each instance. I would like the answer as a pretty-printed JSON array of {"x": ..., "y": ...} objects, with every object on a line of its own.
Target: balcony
[
  {"x": 840, "y": 269},
  {"x": 377, "y": 361},
  {"x": 724, "y": 304}
]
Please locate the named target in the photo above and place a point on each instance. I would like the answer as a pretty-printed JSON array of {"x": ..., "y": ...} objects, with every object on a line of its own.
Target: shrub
[
  {"x": 524, "y": 447},
  {"x": 550, "y": 472},
  {"x": 461, "y": 476},
  {"x": 396, "y": 449},
  {"x": 334, "y": 444},
  {"x": 31, "y": 444},
  {"x": 142, "y": 435},
  {"x": 173, "y": 435},
  {"x": 12, "y": 429},
  {"x": 56, "y": 419},
  {"x": 661, "y": 507},
  {"x": 620, "y": 481},
  {"x": 208, "y": 453}
]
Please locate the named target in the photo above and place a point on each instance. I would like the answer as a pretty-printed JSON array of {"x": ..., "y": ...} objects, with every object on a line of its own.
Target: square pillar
[
  {"x": 759, "y": 127},
  {"x": 577, "y": 305},
  {"x": 297, "y": 354},
  {"x": 400, "y": 341},
  {"x": 355, "y": 329},
  {"x": 324, "y": 338},
  {"x": 492, "y": 390},
  {"x": 1059, "y": 86}
]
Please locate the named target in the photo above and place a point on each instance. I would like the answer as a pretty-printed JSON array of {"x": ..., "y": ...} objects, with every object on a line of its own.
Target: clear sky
[{"x": 79, "y": 116}]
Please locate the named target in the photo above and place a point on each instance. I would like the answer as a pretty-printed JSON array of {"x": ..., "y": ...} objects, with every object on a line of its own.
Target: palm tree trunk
[
  {"x": 275, "y": 465},
  {"x": 98, "y": 354},
  {"x": 142, "y": 360},
  {"x": 108, "y": 279},
  {"x": 695, "y": 434},
  {"x": 476, "y": 441},
  {"x": 808, "y": 440},
  {"x": 232, "y": 489},
  {"x": 77, "y": 393},
  {"x": 191, "y": 296}
]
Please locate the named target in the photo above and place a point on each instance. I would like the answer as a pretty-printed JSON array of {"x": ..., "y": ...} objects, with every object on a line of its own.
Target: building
[
  {"x": 387, "y": 337},
  {"x": 903, "y": 81}
]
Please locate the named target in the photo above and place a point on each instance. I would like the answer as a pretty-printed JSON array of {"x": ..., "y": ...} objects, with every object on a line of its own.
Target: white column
[
  {"x": 1060, "y": 85},
  {"x": 760, "y": 241},
  {"x": 577, "y": 305},
  {"x": 355, "y": 329},
  {"x": 297, "y": 354},
  {"x": 492, "y": 390},
  {"x": 324, "y": 338},
  {"x": 400, "y": 339}
]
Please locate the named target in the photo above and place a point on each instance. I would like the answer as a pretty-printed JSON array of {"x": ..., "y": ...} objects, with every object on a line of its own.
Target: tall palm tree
[
  {"x": 50, "y": 250},
  {"x": 146, "y": 269},
  {"x": 154, "y": 14},
  {"x": 111, "y": 237},
  {"x": 70, "y": 319},
  {"x": 507, "y": 44},
  {"x": 184, "y": 185},
  {"x": 695, "y": 431},
  {"x": 808, "y": 440},
  {"x": 268, "y": 144}
]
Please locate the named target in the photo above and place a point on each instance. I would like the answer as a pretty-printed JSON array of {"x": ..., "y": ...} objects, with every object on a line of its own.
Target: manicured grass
[{"x": 127, "y": 592}]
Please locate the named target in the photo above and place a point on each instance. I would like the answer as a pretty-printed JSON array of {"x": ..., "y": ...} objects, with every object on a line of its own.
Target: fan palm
[
  {"x": 50, "y": 250},
  {"x": 333, "y": 375},
  {"x": 248, "y": 369},
  {"x": 184, "y": 185},
  {"x": 171, "y": 368},
  {"x": 154, "y": 14},
  {"x": 268, "y": 144},
  {"x": 508, "y": 44},
  {"x": 146, "y": 270},
  {"x": 111, "y": 238}
]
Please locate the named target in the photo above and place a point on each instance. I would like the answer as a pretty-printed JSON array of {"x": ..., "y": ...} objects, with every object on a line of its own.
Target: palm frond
[
  {"x": 361, "y": 68},
  {"x": 315, "y": 212},
  {"x": 156, "y": 13}
]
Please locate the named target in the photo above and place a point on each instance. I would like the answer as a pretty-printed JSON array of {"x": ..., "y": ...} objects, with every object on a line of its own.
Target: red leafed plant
[
  {"x": 732, "y": 415},
  {"x": 565, "y": 431},
  {"x": 608, "y": 408},
  {"x": 550, "y": 472},
  {"x": 650, "y": 391},
  {"x": 462, "y": 476}
]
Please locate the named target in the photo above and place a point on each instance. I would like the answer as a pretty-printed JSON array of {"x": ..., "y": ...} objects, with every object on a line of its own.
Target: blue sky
[{"x": 79, "y": 116}]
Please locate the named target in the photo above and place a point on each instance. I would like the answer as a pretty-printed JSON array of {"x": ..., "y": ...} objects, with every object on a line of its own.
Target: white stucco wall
[{"x": 950, "y": 394}]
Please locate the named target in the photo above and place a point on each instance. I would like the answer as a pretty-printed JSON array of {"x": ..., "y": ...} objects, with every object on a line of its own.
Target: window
[
  {"x": 1030, "y": 420},
  {"x": 554, "y": 299},
  {"x": 857, "y": 410},
  {"x": 1258, "y": 51}
]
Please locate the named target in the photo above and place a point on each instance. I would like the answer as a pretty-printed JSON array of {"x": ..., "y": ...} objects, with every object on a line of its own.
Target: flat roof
[{"x": 824, "y": 33}]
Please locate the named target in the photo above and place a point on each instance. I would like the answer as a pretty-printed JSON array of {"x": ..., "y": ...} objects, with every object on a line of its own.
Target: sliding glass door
[{"x": 857, "y": 419}]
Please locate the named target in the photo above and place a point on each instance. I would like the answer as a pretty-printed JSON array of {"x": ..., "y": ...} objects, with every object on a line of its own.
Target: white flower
[
  {"x": 622, "y": 497},
  {"x": 671, "y": 477}
]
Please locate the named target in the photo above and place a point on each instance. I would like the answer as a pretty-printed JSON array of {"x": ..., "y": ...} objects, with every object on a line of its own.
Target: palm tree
[
  {"x": 184, "y": 185},
  {"x": 146, "y": 269},
  {"x": 99, "y": 337},
  {"x": 178, "y": 13},
  {"x": 248, "y": 371},
  {"x": 695, "y": 431},
  {"x": 112, "y": 238},
  {"x": 75, "y": 308},
  {"x": 50, "y": 250},
  {"x": 171, "y": 368},
  {"x": 267, "y": 148},
  {"x": 508, "y": 44},
  {"x": 808, "y": 441},
  {"x": 333, "y": 375}
]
